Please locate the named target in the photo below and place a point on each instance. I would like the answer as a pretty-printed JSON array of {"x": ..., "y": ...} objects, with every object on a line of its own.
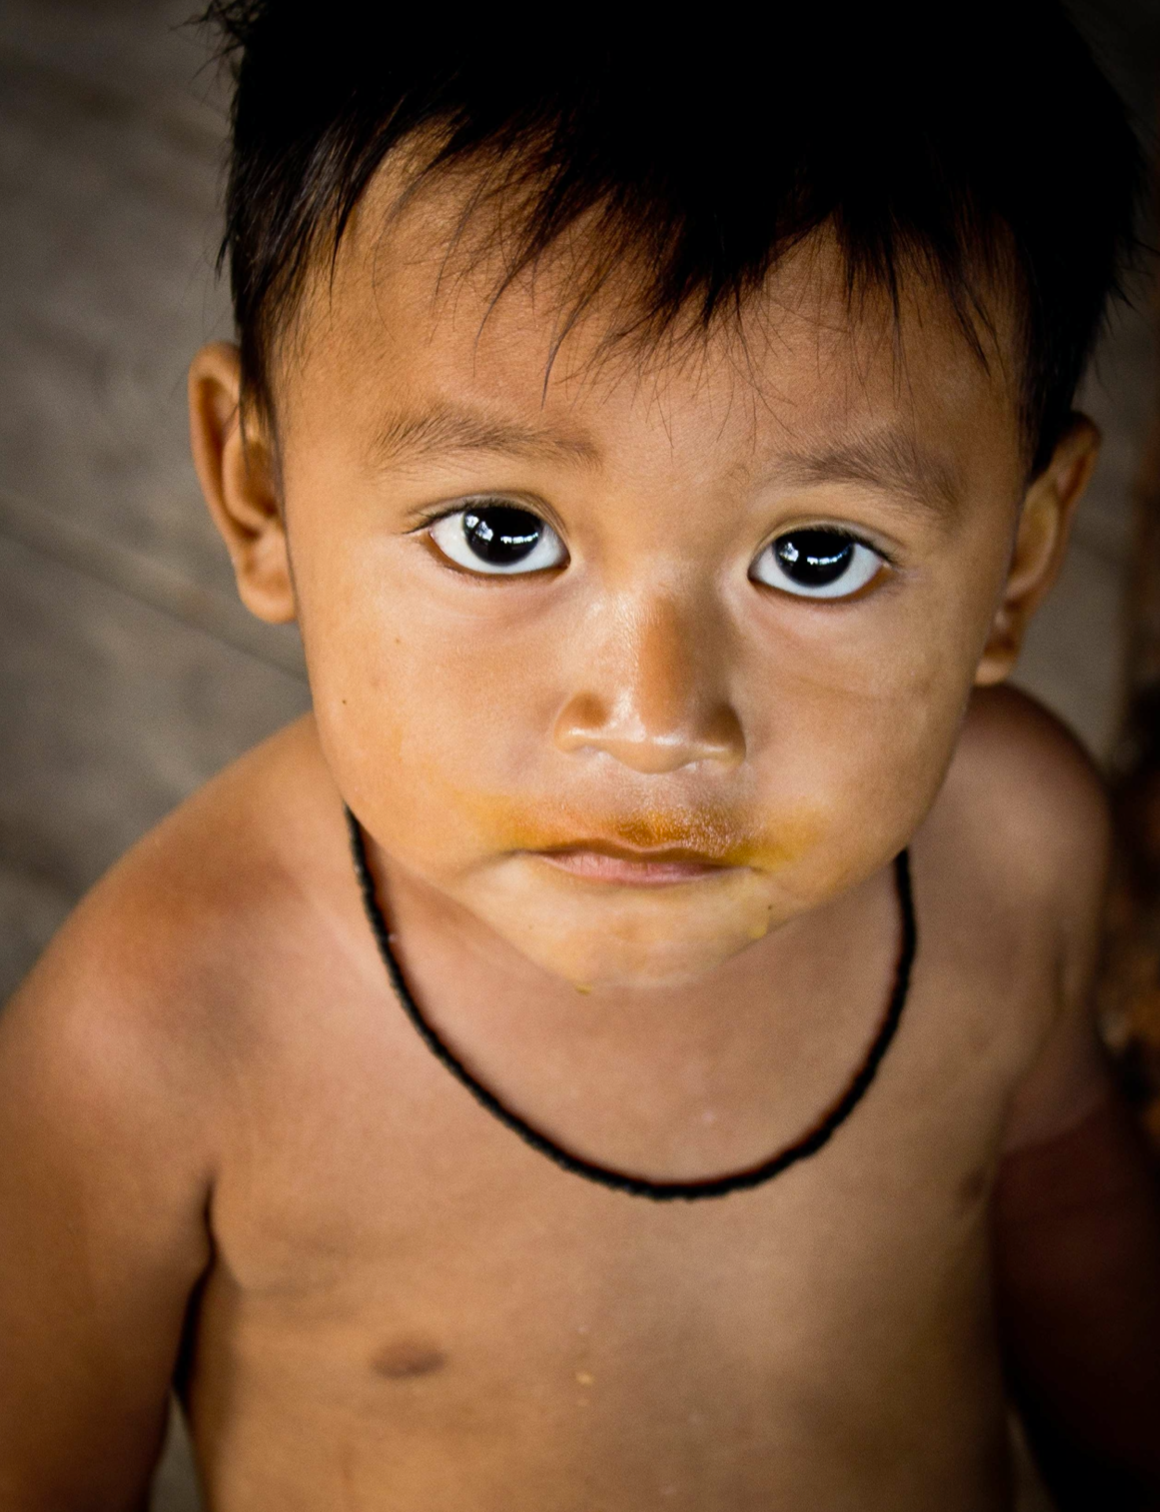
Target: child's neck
[{"x": 698, "y": 1061}]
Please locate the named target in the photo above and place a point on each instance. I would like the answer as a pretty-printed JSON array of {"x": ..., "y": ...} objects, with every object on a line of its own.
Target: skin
[{"x": 632, "y": 821}]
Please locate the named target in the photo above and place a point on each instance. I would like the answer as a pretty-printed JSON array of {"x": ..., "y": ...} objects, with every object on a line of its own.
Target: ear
[
  {"x": 238, "y": 474},
  {"x": 1040, "y": 543}
]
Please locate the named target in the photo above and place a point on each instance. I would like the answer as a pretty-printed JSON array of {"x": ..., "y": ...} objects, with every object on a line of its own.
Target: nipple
[{"x": 404, "y": 1359}]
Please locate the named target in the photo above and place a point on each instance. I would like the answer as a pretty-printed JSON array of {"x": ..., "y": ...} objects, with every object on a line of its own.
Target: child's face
[{"x": 651, "y": 687}]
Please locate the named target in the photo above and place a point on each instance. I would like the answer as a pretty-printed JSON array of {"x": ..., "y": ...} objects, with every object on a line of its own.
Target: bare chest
[{"x": 410, "y": 1308}]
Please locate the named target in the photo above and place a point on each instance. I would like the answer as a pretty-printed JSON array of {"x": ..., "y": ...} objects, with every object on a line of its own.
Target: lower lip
[{"x": 594, "y": 866}]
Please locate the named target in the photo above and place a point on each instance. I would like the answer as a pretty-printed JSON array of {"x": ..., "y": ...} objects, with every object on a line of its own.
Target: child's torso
[{"x": 410, "y": 1309}]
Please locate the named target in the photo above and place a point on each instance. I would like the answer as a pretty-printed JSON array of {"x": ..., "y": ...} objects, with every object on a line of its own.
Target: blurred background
[{"x": 129, "y": 673}]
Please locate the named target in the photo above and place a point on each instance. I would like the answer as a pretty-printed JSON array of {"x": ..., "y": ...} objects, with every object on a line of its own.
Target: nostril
[
  {"x": 723, "y": 736},
  {"x": 582, "y": 722}
]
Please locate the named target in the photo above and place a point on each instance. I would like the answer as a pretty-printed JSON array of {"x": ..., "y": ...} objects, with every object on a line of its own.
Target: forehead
[{"x": 414, "y": 345}]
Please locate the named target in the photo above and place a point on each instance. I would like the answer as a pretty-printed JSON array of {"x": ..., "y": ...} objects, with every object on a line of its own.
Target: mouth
[{"x": 623, "y": 866}]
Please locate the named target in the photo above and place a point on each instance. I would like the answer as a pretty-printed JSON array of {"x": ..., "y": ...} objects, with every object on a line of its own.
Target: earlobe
[
  {"x": 238, "y": 477},
  {"x": 1041, "y": 538}
]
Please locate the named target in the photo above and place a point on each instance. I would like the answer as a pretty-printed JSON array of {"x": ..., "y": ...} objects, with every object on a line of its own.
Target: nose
[{"x": 649, "y": 697}]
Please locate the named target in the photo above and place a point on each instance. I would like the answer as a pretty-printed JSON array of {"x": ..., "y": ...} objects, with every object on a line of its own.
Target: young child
[{"x": 672, "y": 1084}]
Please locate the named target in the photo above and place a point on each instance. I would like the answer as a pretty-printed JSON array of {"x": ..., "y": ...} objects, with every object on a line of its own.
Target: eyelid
[
  {"x": 429, "y": 515},
  {"x": 831, "y": 593},
  {"x": 455, "y": 551},
  {"x": 856, "y": 533},
  {"x": 867, "y": 515}
]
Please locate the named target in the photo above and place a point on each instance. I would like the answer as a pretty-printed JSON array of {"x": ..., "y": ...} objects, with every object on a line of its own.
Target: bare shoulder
[
  {"x": 1024, "y": 799},
  {"x": 1019, "y": 838},
  {"x": 119, "y": 1058},
  {"x": 142, "y": 995}
]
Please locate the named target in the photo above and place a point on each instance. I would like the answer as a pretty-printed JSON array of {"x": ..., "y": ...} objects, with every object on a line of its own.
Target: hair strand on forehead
[{"x": 691, "y": 162}]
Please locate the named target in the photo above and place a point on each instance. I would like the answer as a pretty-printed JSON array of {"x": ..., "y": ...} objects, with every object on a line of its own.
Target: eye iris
[
  {"x": 501, "y": 535},
  {"x": 814, "y": 558}
]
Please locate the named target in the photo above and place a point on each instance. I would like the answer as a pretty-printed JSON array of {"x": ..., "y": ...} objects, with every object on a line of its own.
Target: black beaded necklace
[{"x": 638, "y": 1186}]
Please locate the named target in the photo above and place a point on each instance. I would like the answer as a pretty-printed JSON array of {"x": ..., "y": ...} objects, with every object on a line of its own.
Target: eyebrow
[
  {"x": 447, "y": 429},
  {"x": 887, "y": 461}
]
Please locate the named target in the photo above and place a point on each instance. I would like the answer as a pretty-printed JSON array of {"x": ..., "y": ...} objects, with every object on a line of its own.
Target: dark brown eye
[
  {"x": 498, "y": 538},
  {"x": 500, "y": 535},
  {"x": 816, "y": 563},
  {"x": 814, "y": 558}
]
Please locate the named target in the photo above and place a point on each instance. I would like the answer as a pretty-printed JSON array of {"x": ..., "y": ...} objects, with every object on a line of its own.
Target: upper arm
[
  {"x": 1068, "y": 1080},
  {"x": 1076, "y": 1220},
  {"x": 103, "y": 1191}
]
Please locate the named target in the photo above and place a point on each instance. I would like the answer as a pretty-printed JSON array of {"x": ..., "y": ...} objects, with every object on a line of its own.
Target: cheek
[
  {"x": 425, "y": 724},
  {"x": 859, "y": 729}
]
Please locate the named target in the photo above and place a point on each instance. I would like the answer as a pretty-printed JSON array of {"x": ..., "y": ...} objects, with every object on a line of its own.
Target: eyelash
[
  {"x": 428, "y": 520},
  {"x": 494, "y": 547},
  {"x": 431, "y": 518}
]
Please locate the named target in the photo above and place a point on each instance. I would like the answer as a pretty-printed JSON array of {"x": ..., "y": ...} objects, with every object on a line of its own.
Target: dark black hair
[{"x": 968, "y": 142}]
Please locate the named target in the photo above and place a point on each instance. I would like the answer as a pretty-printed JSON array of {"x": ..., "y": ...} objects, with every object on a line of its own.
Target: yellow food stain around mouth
[
  {"x": 582, "y": 988},
  {"x": 723, "y": 835}
]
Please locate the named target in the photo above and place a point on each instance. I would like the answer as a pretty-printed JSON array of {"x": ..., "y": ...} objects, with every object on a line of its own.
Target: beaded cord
[{"x": 638, "y": 1186}]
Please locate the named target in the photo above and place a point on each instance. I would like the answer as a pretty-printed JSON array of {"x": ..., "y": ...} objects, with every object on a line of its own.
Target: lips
[{"x": 600, "y": 861}]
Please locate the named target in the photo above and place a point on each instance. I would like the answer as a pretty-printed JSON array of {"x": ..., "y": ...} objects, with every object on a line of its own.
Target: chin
[
  {"x": 603, "y": 966},
  {"x": 622, "y": 937},
  {"x": 637, "y": 949}
]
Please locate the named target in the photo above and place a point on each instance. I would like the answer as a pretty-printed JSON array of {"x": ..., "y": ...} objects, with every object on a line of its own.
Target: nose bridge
[
  {"x": 650, "y": 689},
  {"x": 663, "y": 676}
]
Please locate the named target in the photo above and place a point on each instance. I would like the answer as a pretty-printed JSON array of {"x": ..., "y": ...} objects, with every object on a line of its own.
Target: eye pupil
[
  {"x": 814, "y": 558},
  {"x": 501, "y": 535}
]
